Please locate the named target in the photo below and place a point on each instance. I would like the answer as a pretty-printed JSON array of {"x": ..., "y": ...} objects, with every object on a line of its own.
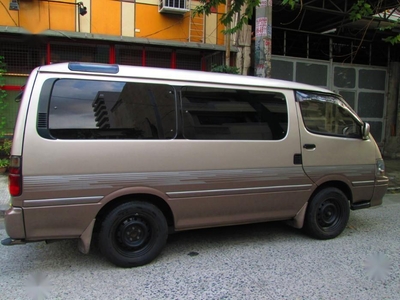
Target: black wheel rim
[
  {"x": 132, "y": 234},
  {"x": 329, "y": 213}
]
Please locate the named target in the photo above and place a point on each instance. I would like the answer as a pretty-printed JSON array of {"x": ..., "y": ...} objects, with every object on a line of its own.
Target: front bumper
[{"x": 381, "y": 186}]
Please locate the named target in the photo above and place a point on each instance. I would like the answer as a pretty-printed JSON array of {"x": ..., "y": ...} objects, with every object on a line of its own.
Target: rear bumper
[{"x": 14, "y": 223}]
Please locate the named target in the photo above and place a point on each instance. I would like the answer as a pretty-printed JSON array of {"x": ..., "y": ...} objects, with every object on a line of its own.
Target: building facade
[
  {"x": 153, "y": 33},
  {"x": 316, "y": 43}
]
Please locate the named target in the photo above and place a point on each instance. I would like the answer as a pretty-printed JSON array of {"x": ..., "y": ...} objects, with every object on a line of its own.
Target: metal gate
[{"x": 363, "y": 87}]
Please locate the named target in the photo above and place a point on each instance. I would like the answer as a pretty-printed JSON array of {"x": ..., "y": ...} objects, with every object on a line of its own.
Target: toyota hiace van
[{"x": 131, "y": 154}]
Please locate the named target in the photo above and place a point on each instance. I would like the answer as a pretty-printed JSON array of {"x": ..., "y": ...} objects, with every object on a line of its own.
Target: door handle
[{"x": 309, "y": 146}]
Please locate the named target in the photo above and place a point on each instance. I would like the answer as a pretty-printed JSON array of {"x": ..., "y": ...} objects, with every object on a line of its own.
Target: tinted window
[
  {"x": 88, "y": 109},
  {"x": 227, "y": 114},
  {"x": 325, "y": 114}
]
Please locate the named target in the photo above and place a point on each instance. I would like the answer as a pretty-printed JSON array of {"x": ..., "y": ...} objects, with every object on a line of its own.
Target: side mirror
[{"x": 365, "y": 130}]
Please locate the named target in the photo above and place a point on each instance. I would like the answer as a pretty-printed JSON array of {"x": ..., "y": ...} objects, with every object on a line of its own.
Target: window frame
[
  {"x": 45, "y": 101},
  {"x": 235, "y": 89},
  {"x": 338, "y": 101}
]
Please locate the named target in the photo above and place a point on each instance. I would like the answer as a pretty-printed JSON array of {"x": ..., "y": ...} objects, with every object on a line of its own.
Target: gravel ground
[{"x": 261, "y": 261}]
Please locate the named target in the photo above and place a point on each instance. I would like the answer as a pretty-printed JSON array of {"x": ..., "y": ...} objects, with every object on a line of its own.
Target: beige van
[{"x": 130, "y": 154}]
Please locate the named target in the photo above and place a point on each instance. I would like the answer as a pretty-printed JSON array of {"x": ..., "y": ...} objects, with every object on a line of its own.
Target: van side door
[
  {"x": 332, "y": 145},
  {"x": 243, "y": 143}
]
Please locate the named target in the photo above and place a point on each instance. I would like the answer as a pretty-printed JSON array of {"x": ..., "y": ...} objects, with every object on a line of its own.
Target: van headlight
[{"x": 380, "y": 167}]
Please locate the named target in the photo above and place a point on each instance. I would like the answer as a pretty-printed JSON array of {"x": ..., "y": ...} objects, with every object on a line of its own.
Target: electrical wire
[{"x": 166, "y": 28}]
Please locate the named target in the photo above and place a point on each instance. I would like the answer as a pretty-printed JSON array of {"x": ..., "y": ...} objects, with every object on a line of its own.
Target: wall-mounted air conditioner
[{"x": 174, "y": 6}]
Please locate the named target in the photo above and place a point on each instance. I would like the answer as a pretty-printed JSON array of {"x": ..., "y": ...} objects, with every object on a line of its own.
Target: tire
[
  {"x": 133, "y": 234},
  {"x": 327, "y": 214}
]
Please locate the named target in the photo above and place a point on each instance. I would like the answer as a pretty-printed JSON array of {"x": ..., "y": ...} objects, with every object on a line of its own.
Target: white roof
[{"x": 187, "y": 76}]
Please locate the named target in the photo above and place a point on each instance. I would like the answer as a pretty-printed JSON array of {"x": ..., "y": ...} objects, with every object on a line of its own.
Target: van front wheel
[
  {"x": 327, "y": 214},
  {"x": 133, "y": 234}
]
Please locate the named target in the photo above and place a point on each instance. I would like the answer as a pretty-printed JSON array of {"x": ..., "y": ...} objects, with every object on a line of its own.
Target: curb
[
  {"x": 393, "y": 190},
  {"x": 3, "y": 209}
]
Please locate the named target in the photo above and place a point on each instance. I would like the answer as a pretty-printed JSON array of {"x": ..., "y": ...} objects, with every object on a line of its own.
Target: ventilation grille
[{"x": 42, "y": 120}]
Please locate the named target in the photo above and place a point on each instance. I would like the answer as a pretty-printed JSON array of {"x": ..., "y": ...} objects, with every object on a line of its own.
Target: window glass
[
  {"x": 228, "y": 114},
  {"x": 88, "y": 109},
  {"x": 326, "y": 114}
]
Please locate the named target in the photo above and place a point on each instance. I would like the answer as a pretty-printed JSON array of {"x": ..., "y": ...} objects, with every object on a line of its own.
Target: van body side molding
[
  {"x": 239, "y": 190},
  {"x": 62, "y": 201}
]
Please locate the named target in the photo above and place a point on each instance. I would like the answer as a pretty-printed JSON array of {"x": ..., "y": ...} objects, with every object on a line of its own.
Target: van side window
[
  {"x": 329, "y": 115},
  {"x": 229, "y": 114},
  {"x": 90, "y": 109}
]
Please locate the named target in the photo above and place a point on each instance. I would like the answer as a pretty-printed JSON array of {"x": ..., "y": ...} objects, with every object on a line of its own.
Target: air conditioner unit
[
  {"x": 174, "y": 6},
  {"x": 14, "y": 5}
]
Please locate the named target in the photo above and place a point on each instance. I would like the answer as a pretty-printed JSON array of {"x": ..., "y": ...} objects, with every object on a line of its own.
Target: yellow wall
[
  {"x": 128, "y": 19},
  {"x": 152, "y": 24},
  {"x": 211, "y": 32}
]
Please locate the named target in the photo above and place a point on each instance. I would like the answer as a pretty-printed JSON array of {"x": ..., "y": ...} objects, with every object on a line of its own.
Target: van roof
[{"x": 175, "y": 75}]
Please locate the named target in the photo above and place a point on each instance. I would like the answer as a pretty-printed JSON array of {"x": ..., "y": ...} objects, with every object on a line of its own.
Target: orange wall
[
  {"x": 5, "y": 18},
  {"x": 220, "y": 37},
  {"x": 34, "y": 15},
  {"x": 155, "y": 25},
  {"x": 30, "y": 16},
  {"x": 106, "y": 17},
  {"x": 62, "y": 16}
]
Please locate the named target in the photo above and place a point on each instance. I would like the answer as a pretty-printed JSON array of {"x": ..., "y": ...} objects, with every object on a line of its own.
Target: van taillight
[{"x": 15, "y": 176}]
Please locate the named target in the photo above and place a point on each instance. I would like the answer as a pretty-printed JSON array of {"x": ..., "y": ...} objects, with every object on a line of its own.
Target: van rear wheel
[
  {"x": 133, "y": 234},
  {"x": 327, "y": 214}
]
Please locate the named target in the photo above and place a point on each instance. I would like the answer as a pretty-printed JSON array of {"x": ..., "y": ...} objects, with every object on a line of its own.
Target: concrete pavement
[
  {"x": 259, "y": 261},
  {"x": 4, "y": 195}
]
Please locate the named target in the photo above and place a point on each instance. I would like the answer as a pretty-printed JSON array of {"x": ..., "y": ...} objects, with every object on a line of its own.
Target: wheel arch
[
  {"x": 342, "y": 186},
  {"x": 153, "y": 199},
  {"x": 328, "y": 211},
  {"x": 298, "y": 220}
]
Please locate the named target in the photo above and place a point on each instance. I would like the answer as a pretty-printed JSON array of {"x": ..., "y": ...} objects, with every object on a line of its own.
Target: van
[{"x": 130, "y": 154}]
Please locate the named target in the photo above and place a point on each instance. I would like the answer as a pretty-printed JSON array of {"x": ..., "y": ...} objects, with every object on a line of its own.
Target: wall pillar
[
  {"x": 392, "y": 132},
  {"x": 263, "y": 34},
  {"x": 243, "y": 59}
]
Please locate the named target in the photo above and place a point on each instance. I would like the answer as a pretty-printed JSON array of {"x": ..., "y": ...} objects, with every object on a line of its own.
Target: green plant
[
  {"x": 3, "y": 95},
  {"x": 5, "y": 149},
  {"x": 4, "y": 162},
  {"x": 234, "y": 9},
  {"x": 5, "y": 146},
  {"x": 224, "y": 69}
]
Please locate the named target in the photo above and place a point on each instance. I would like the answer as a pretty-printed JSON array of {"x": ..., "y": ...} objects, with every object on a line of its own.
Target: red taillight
[{"x": 15, "y": 176}]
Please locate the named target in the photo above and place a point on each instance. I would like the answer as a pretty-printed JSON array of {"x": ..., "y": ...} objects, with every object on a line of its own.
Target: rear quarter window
[{"x": 91, "y": 109}]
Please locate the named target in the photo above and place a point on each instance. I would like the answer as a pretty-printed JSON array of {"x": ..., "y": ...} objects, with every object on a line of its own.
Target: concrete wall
[{"x": 392, "y": 132}]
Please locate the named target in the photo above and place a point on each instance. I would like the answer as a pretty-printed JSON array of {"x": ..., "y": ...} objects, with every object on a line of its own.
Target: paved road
[{"x": 262, "y": 261}]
